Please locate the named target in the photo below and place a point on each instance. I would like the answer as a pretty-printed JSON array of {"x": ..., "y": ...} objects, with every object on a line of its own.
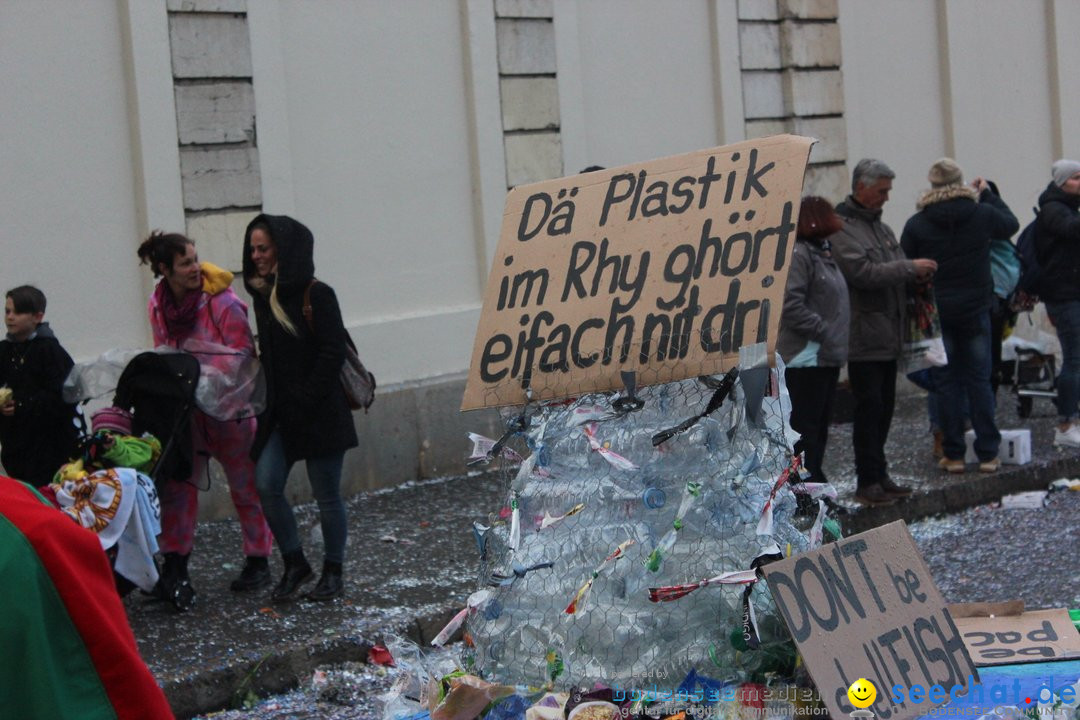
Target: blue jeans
[
  {"x": 933, "y": 408},
  {"x": 1066, "y": 319},
  {"x": 967, "y": 345},
  {"x": 271, "y": 473}
]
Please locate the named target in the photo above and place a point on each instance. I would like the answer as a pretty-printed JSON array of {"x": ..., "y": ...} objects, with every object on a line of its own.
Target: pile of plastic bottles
[{"x": 633, "y": 528}]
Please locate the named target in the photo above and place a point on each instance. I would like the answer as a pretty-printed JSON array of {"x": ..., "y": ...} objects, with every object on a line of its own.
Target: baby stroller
[
  {"x": 159, "y": 391},
  {"x": 1034, "y": 376}
]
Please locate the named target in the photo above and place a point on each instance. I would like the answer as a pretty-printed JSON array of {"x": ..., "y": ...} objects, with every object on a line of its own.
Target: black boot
[
  {"x": 297, "y": 572},
  {"x": 330, "y": 584},
  {"x": 255, "y": 575},
  {"x": 174, "y": 586}
]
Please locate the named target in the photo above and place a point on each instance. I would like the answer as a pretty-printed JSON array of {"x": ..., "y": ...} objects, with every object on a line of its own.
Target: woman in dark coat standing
[
  {"x": 307, "y": 416},
  {"x": 814, "y": 332}
]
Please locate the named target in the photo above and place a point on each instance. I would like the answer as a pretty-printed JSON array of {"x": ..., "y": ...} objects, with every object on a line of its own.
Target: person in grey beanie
[
  {"x": 954, "y": 225},
  {"x": 1058, "y": 247}
]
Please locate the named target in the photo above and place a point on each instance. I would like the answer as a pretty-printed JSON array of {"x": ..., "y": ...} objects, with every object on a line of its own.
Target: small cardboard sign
[
  {"x": 665, "y": 268},
  {"x": 1004, "y": 635},
  {"x": 867, "y": 607}
]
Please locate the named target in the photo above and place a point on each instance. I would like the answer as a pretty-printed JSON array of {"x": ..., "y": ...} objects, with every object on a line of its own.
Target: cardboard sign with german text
[
  {"x": 994, "y": 637},
  {"x": 665, "y": 268},
  {"x": 867, "y": 607}
]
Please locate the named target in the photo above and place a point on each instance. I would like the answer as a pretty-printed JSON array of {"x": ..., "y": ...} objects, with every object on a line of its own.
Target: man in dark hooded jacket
[{"x": 954, "y": 226}]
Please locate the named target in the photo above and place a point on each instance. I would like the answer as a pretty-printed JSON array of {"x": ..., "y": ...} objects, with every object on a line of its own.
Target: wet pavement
[
  {"x": 411, "y": 562},
  {"x": 985, "y": 554}
]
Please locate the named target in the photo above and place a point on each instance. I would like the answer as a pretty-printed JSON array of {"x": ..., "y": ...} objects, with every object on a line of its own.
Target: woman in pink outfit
[{"x": 196, "y": 302}]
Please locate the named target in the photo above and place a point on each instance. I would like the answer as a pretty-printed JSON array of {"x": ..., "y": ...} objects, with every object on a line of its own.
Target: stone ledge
[
  {"x": 810, "y": 45},
  {"x": 809, "y": 9},
  {"x": 533, "y": 157},
  {"x": 525, "y": 46},
  {"x": 529, "y": 103},
  {"x": 813, "y": 92},
  {"x": 209, "y": 46},
  {"x": 759, "y": 46},
  {"x": 207, "y": 6},
  {"x": 524, "y": 9}
]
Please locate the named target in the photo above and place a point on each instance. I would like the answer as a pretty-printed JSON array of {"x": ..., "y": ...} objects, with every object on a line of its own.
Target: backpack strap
[{"x": 307, "y": 306}]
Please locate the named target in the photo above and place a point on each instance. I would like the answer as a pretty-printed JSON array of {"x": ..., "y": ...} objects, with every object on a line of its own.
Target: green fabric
[
  {"x": 132, "y": 452},
  {"x": 37, "y": 634}
]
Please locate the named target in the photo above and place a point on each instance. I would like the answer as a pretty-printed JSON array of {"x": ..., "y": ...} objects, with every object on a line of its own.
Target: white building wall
[
  {"x": 377, "y": 149},
  {"x": 67, "y": 191},
  {"x": 630, "y": 94},
  {"x": 969, "y": 79},
  {"x": 393, "y": 129}
]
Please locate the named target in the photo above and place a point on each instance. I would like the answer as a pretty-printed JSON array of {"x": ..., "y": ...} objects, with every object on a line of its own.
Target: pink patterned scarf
[{"x": 179, "y": 317}]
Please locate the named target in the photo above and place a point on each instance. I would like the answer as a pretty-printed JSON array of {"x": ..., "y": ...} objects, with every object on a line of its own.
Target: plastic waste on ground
[{"x": 628, "y": 550}]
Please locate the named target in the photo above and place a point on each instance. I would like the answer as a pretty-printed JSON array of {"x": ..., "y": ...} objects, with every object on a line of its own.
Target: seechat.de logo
[{"x": 862, "y": 695}]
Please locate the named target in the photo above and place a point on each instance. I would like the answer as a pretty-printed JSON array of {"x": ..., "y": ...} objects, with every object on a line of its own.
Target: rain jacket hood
[
  {"x": 1059, "y": 241},
  {"x": 1053, "y": 193},
  {"x": 295, "y": 254},
  {"x": 948, "y": 208},
  {"x": 216, "y": 280},
  {"x": 954, "y": 228},
  {"x": 42, "y": 331}
]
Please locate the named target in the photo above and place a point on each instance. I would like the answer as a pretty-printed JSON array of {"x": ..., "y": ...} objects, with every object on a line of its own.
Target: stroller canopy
[{"x": 159, "y": 390}]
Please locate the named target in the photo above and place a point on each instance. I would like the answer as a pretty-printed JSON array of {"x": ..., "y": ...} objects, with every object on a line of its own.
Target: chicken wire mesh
[{"x": 633, "y": 526}]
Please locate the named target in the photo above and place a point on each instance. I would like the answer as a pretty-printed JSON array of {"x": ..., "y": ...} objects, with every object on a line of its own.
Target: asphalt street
[{"x": 412, "y": 562}]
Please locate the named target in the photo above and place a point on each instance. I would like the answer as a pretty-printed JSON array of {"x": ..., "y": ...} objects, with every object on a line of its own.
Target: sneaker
[
  {"x": 1068, "y": 438},
  {"x": 873, "y": 495},
  {"x": 893, "y": 490},
  {"x": 990, "y": 466},
  {"x": 956, "y": 467}
]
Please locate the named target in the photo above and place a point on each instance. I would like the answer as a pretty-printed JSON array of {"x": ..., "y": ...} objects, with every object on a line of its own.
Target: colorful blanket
[{"x": 68, "y": 651}]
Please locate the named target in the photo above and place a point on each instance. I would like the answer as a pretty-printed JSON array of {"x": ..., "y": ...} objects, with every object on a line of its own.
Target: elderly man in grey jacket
[{"x": 877, "y": 273}]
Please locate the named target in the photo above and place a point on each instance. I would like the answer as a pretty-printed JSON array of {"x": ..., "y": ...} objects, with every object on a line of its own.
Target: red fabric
[
  {"x": 49, "y": 493},
  {"x": 78, "y": 568}
]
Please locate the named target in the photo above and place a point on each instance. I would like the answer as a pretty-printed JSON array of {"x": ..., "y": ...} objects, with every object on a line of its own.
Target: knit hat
[
  {"x": 112, "y": 418},
  {"x": 1064, "y": 169},
  {"x": 945, "y": 172}
]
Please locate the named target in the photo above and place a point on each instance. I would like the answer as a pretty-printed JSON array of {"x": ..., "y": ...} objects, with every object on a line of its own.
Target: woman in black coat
[{"x": 307, "y": 416}]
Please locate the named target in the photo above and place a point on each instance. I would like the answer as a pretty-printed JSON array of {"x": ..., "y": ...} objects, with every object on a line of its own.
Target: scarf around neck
[{"x": 179, "y": 317}]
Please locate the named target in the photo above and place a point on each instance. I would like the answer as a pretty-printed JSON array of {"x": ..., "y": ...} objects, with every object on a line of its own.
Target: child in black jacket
[{"x": 38, "y": 430}]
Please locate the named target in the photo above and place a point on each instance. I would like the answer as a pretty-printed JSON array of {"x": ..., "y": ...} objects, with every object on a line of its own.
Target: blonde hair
[
  {"x": 268, "y": 291},
  {"x": 259, "y": 283},
  {"x": 279, "y": 312}
]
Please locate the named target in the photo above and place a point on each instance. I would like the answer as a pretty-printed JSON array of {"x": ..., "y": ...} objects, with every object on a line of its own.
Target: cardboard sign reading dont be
[
  {"x": 867, "y": 607},
  {"x": 665, "y": 268}
]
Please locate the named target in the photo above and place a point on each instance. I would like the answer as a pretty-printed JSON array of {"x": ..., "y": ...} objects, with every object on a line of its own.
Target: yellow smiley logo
[{"x": 862, "y": 693}]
